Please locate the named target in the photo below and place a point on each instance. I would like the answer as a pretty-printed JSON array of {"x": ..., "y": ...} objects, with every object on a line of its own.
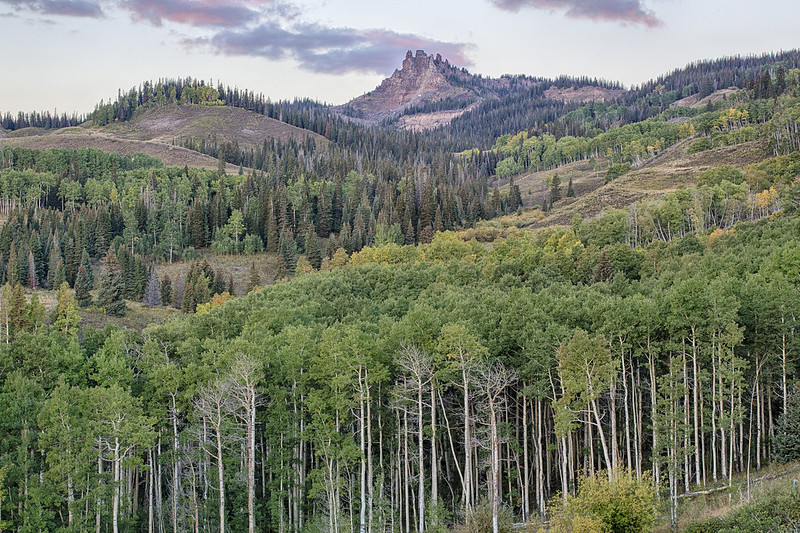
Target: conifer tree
[
  {"x": 152, "y": 295},
  {"x": 555, "y": 189},
  {"x": 83, "y": 285},
  {"x": 110, "y": 294},
  {"x": 86, "y": 263},
  {"x": 313, "y": 251},
  {"x": 33, "y": 279},
  {"x": 570, "y": 189},
  {"x": 787, "y": 431},
  {"x": 604, "y": 271},
  {"x": 18, "y": 316},
  {"x": 12, "y": 268},
  {"x": 255, "y": 279},
  {"x": 281, "y": 272},
  {"x": 166, "y": 291}
]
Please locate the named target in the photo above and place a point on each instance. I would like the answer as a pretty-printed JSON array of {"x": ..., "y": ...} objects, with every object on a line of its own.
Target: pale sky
[{"x": 67, "y": 55}]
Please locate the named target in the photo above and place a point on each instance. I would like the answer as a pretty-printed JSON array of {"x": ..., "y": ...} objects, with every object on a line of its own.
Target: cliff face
[
  {"x": 422, "y": 79},
  {"x": 448, "y": 92}
]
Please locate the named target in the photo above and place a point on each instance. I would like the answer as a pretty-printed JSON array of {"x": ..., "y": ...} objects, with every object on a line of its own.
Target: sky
[{"x": 68, "y": 55}]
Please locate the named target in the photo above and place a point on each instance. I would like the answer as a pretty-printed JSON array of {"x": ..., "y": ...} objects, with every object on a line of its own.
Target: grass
[
  {"x": 668, "y": 171},
  {"x": 719, "y": 503}
]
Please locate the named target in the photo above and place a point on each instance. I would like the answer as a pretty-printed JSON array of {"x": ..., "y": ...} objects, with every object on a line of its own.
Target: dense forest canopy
[{"x": 414, "y": 365}]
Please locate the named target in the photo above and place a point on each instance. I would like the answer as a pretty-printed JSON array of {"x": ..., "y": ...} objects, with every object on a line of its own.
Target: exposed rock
[{"x": 421, "y": 79}]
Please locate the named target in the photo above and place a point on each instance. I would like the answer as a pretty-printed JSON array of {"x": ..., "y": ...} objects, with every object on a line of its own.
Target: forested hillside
[
  {"x": 415, "y": 360},
  {"x": 376, "y": 393}
]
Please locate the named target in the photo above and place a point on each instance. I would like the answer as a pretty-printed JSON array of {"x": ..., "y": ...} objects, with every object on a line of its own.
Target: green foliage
[
  {"x": 616, "y": 170},
  {"x": 112, "y": 286},
  {"x": 65, "y": 316},
  {"x": 623, "y": 504},
  {"x": 778, "y": 510},
  {"x": 480, "y": 519},
  {"x": 786, "y": 445}
]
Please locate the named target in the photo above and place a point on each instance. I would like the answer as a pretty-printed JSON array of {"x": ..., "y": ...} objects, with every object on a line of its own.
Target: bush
[
  {"x": 623, "y": 504},
  {"x": 778, "y": 510},
  {"x": 616, "y": 170},
  {"x": 700, "y": 145},
  {"x": 480, "y": 519}
]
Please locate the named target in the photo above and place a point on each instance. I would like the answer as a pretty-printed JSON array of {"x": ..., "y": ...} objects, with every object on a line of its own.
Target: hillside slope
[{"x": 161, "y": 131}]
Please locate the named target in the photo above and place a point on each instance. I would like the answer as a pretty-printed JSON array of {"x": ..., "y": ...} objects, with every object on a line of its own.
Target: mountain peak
[{"x": 422, "y": 78}]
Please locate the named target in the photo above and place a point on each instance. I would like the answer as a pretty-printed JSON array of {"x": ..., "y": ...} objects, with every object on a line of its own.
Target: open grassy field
[{"x": 666, "y": 172}]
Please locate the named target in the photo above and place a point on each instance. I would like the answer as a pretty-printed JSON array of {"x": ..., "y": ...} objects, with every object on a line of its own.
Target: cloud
[
  {"x": 195, "y": 12},
  {"x": 331, "y": 50},
  {"x": 623, "y": 11},
  {"x": 69, "y": 8}
]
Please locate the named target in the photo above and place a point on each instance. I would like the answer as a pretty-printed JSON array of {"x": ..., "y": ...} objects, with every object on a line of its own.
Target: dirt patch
[
  {"x": 429, "y": 121},
  {"x": 174, "y": 122},
  {"x": 694, "y": 100},
  {"x": 582, "y": 94}
]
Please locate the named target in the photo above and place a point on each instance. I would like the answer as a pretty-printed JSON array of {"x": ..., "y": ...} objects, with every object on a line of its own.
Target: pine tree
[
  {"x": 555, "y": 189},
  {"x": 313, "y": 251},
  {"x": 18, "y": 316},
  {"x": 570, "y": 189},
  {"x": 12, "y": 268},
  {"x": 110, "y": 294},
  {"x": 787, "y": 431},
  {"x": 152, "y": 295},
  {"x": 281, "y": 272},
  {"x": 166, "y": 291},
  {"x": 255, "y": 279},
  {"x": 86, "y": 263},
  {"x": 83, "y": 285},
  {"x": 33, "y": 279},
  {"x": 603, "y": 271}
]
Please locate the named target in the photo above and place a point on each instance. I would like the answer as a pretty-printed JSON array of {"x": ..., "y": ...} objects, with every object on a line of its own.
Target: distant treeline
[{"x": 36, "y": 119}]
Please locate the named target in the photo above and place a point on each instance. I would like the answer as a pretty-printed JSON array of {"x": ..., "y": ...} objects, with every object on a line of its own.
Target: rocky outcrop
[{"x": 422, "y": 79}]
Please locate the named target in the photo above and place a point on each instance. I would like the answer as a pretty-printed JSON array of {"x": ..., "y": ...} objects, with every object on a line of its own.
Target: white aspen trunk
[
  {"x": 714, "y": 474},
  {"x": 434, "y": 456},
  {"x": 540, "y": 480},
  {"x": 220, "y": 471},
  {"x": 613, "y": 423},
  {"x": 526, "y": 509},
  {"x": 695, "y": 413},
  {"x": 150, "y": 491},
  {"x": 251, "y": 459},
  {"x": 653, "y": 399},
  {"x": 421, "y": 457},
  {"x": 370, "y": 474},
  {"x": 176, "y": 467},
  {"x": 564, "y": 482},
  {"x": 363, "y": 462},
  {"x": 406, "y": 488},
  {"x": 115, "y": 493},
  {"x": 467, "y": 446},
  {"x": 626, "y": 408},
  {"x": 596, "y": 413},
  {"x": 495, "y": 485},
  {"x": 99, "y": 501}
]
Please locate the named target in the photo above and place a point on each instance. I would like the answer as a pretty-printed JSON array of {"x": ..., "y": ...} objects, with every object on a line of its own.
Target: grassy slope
[
  {"x": 140, "y": 316},
  {"x": 666, "y": 172},
  {"x": 152, "y": 131}
]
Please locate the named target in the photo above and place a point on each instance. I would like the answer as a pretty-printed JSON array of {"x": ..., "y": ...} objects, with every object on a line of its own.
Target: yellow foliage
[{"x": 216, "y": 301}]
